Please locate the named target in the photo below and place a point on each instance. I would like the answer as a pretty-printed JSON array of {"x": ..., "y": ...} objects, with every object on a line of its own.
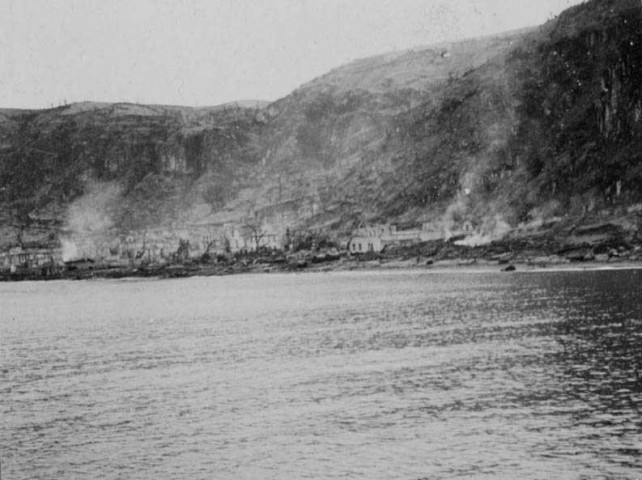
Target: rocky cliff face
[
  {"x": 491, "y": 133},
  {"x": 133, "y": 165},
  {"x": 580, "y": 94}
]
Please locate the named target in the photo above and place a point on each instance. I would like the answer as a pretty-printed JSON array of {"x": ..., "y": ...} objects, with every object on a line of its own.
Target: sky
[{"x": 209, "y": 52}]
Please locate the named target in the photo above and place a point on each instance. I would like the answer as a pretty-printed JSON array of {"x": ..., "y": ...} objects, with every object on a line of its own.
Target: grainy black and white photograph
[{"x": 320, "y": 239}]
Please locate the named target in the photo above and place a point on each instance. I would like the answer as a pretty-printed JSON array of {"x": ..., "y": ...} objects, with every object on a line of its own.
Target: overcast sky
[{"x": 208, "y": 52}]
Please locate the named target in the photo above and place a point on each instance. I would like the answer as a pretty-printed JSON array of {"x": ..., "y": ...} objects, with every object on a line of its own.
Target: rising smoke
[
  {"x": 89, "y": 218},
  {"x": 489, "y": 224},
  {"x": 492, "y": 229}
]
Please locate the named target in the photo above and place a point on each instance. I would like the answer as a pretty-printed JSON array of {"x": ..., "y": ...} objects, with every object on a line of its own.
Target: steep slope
[
  {"x": 580, "y": 120},
  {"x": 508, "y": 130},
  {"x": 354, "y": 143},
  {"x": 135, "y": 165},
  {"x": 494, "y": 133}
]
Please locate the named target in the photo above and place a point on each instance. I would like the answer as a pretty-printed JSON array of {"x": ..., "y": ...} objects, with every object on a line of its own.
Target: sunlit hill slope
[{"x": 512, "y": 130}]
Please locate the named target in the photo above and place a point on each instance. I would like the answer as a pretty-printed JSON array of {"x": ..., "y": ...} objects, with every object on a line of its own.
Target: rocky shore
[{"x": 598, "y": 247}]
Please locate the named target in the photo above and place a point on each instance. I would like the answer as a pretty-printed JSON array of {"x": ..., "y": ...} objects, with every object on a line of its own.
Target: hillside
[
  {"x": 502, "y": 132},
  {"x": 123, "y": 166}
]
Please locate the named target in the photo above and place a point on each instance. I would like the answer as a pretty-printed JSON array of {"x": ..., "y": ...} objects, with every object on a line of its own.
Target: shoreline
[
  {"x": 460, "y": 265},
  {"x": 485, "y": 267},
  {"x": 519, "y": 254}
]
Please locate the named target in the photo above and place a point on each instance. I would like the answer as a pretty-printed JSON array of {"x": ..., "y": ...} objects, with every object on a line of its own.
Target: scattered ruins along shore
[
  {"x": 599, "y": 248},
  {"x": 341, "y": 265}
]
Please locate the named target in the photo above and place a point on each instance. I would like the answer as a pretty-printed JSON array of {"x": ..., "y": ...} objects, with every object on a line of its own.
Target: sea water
[{"x": 364, "y": 375}]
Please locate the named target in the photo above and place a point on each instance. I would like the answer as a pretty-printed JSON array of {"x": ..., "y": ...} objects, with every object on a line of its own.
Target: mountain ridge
[{"x": 507, "y": 130}]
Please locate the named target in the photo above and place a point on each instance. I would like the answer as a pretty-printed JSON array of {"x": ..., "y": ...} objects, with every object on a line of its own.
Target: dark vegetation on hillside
[
  {"x": 580, "y": 102},
  {"x": 557, "y": 118},
  {"x": 541, "y": 123},
  {"x": 49, "y": 158}
]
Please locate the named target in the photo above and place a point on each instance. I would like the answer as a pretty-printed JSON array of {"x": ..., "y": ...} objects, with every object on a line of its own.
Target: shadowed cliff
[{"x": 495, "y": 132}]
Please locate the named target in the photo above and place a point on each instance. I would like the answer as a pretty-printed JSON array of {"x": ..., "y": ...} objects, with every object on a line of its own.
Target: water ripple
[{"x": 358, "y": 375}]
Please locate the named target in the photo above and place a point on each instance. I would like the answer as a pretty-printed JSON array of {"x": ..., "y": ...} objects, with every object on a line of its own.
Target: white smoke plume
[
  {"x": 69, "y": 249},
  {"x": 453, "y": 216},
  {"x": 89, "y": 219},
  {"x": 492, "y": 228},
  {"x": 458, "y": 209}
]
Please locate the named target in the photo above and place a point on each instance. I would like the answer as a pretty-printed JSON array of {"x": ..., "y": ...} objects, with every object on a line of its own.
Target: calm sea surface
[{"x": 407, "y": 375}]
